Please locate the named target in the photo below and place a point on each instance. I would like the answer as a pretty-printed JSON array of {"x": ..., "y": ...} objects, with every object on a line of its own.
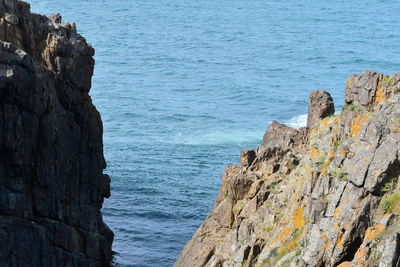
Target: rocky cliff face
[
  {"x": 51, "y": 153},
  {"x": 326, "y": 195}
]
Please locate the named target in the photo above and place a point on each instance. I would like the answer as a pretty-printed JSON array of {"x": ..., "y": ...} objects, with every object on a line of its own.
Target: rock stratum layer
[
  {"x": 52, "y": 184},
  {"x": 326, "y": 195}
]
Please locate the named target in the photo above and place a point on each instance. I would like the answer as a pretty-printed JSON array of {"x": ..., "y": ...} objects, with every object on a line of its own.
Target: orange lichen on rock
[
  {"x": 339, "y": 241},
  {"x": 328, "y": 161},
  {"x": 282, "y": 235},
  {"x": 345, "y": 264},
  {"x": 343, "y": 152},
  {"x": 286, "y": 232},
  {"x": 373, "y": 232},
  {"x": 360, "y": 254},
  {"x": 356, "y": 127},
  {"x": 314, "y": 153},
  {"x": 380, "y": 95},
  {"x": 336, "y": 213},
  {"x": 298, "y": 218},
  {"x": 325, "y": 122},
  {"x": 336, "y": 120},
  {"x": 326, "y": 242},
  {"x": 323, "y": 237},
  {"x": 358, "y": 123}
]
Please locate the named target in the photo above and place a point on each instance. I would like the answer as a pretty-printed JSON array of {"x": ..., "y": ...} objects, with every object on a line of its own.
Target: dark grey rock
[{"x": 52, "y": 184}]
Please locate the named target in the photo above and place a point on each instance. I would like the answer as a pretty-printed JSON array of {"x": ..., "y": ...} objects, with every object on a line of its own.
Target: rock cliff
[
  {"x": 52, "y": 184},
  {"x": 325, "y": 195}
]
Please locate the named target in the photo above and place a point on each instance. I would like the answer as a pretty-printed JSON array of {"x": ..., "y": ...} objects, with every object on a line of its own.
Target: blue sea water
[{"x": 183, "y": 86}]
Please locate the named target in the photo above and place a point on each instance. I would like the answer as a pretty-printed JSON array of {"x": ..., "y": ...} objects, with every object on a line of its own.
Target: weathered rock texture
[
  {"x": 322, "y": 196},
  {"x": 51, "y": 153},
  {"x": 320, "y": 106}
]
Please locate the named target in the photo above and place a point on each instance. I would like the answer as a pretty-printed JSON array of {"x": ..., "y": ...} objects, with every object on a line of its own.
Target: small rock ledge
[
  {"x": 52, "y": 184},
  {"x": 323, "y": 195}
]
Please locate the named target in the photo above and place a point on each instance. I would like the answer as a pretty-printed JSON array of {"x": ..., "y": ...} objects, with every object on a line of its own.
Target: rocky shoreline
[
  {"x": 323, "y": 195},
  {"x": 52, "y": 184}
]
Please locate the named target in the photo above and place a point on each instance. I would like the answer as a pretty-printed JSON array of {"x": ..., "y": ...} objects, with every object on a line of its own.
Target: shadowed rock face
[
  {"x": 325, "y": 196},
  {"x": 52, "y": 184}
]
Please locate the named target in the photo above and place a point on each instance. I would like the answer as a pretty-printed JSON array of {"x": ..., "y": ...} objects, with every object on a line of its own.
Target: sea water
[{"x": 184, "y": 85}]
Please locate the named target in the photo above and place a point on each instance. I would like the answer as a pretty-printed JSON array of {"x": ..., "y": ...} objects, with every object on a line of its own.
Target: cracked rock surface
[
  {"x": 327, "y": 195},
  {"x": 52, "y": 184}
]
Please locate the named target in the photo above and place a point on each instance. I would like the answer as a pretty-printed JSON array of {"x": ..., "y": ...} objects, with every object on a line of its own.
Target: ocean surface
[{"x": 183, "y": 86}]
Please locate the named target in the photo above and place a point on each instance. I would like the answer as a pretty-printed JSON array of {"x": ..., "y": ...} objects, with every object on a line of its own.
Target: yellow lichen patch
[
  {"x": 343, "y": 152},
  {"x": 298, "y": 218},
  {"x": 339, "y": 242},
  {"x": 282, "y": 236},
  {"x": 358, "y": 123},
  {"x": 314, "y": 153},
  {"x": 345, "y": 264},
  {"x": 336, "y": 213},
  {"x": 286, "y": 232},
  {"x": 387, "y": 216},
  {"x": 373, "y": 232},
  {"x": 360, "y": 254},
  {"x": 356, "y": 127},
  {"x": 323, "y": 237},
  {"x": 328, "y": 161},
  {"x": 325, "y": 122},
  {"x": 325, "y": 240},
  {"x": 380, "y": 95}
]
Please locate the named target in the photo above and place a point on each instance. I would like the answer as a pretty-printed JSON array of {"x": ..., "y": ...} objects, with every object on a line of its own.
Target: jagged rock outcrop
[
  {"x": 320, "y": 106},
  {"x": 327, "y": 195},
  {"x": 52, "y": 184}
]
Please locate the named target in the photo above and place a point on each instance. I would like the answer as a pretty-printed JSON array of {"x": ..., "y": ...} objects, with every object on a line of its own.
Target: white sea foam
[
  {"x": 240, "y": 137},
  {"x": 297, "y": 121},
  {"x": 219, "y": 138}
]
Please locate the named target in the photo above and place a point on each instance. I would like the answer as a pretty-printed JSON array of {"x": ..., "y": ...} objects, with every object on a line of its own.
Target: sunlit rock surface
[{"x": 327, "y": 195}]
